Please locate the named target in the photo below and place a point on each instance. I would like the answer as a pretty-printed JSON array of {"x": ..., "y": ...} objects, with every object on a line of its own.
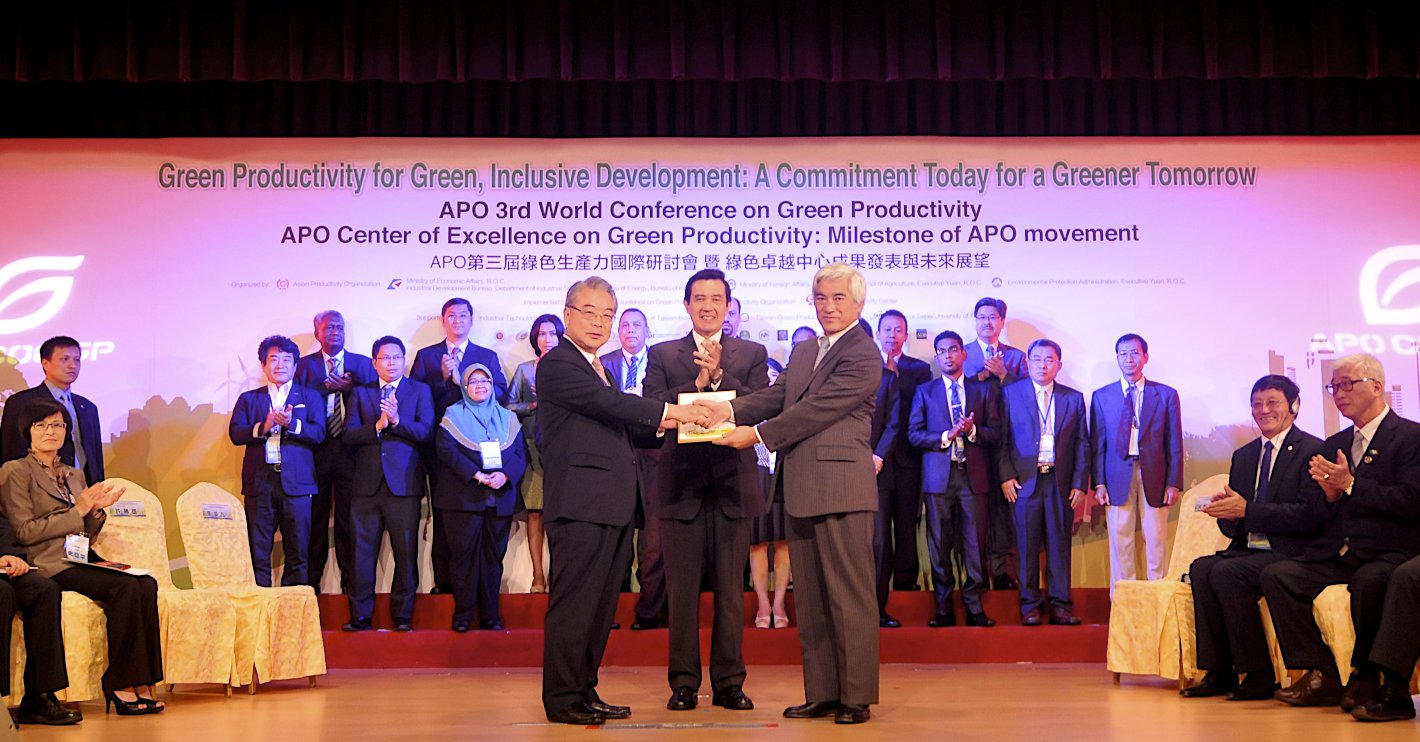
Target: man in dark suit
[
  {"x": 1374, "y": 526},
  {"x": 440, "y": 367},
  {"x": 334, "y": 372},
  {"x": 705, "y": 496},
  {"x": 37, "y": 598},
  {"x": 386, "y": 424},
  {"x": 59, "y": 358},
  {"x": 1136, "y": 436},
  {"x": 989, "y": 359},
  {"x": 900, "y": 482},
  {"x": 627, "y": 366},
  {"x": 1397, "y": 648},
  {"x": 817, "y": 418},
  {"x": 883, "y": 439},
  {"x": 1044, "y": 464},
  {"x": 1271, "y": 510},
  {"x": 956, "y": 423},
  {"x": 280, "y": 424},
  {"x": 585, "y": 430}
]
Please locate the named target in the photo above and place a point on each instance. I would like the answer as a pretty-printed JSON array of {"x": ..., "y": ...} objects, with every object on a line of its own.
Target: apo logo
[
  {"x": 55, "y": 289},
  {"x": 1375, "y": 299}
]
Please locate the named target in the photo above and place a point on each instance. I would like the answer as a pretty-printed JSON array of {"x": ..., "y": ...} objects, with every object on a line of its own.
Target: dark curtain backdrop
[{"x": 572, "y": 68}]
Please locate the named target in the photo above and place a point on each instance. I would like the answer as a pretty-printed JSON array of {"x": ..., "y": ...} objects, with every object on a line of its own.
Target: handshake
[{"x": 703, "y": 413}]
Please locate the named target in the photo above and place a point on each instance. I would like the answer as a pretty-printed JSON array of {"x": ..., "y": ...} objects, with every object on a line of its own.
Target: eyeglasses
[
  {"x": 592, "y": 315},
  {"x": 480, "y": 382},
  {"x": 49, "y": 426},
  {"x": 1345, "y": 385},
  {"x": 387, "y": 359}
]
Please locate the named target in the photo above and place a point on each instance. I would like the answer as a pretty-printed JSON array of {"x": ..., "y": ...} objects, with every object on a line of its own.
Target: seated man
[
  {"x": 1397, "y": 648},
  {"x": 37, "y": 598},
  {"x": 1271, "y": 510}
]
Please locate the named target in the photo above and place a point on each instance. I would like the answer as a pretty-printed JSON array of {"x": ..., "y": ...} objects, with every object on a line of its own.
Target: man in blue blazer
[
  {"x": 1044, "y": 465},
  {"x": 387, "y": 424},
  {"x": 59, "y": 359},
  {"x": 280, "y": 424},
  {"x": 900, "y": 481},
  {"x": 1136, "y": 437},
  {"x": 440, "y": 367},
  {"x": 333, "y": 371},
  {"x": 956, "y": 423}
]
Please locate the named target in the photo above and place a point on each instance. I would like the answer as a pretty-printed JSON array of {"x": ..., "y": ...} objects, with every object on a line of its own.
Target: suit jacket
[
  {"x": 1014, "y": 358},
  {"x": 911, "y": 373},
  {"x": 931, "y": 417},
  {"x": 14, "y": 443},
  {"x": 521, "y": 396},
  {"x": 428, "y": 369},
  {"x": 689, "y": 474},
  {"x": 394, "y": 454},
  {"x": 586, "y": 432},
  {"x": 886, "y": 418},
  {"x": 1380, "y": 519},
  {"x": 615, "y": 364},
  {"x": 1160, "y": 441},
  {"x": 39, "y": 514},
  {"x": 458, "y": 491},
  {"x": 298, "y": 470},
  {"x": 819, "y": 421},
  {"x": 1295, "y": 508},
  {"x": 1020, "y": 438},
  {"x": 311, "y": 373}
]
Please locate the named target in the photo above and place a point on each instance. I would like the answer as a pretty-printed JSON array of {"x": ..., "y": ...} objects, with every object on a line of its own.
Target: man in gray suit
[{"x": 818, "y": 419}]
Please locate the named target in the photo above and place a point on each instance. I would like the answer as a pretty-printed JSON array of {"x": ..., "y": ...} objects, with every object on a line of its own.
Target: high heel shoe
[
  {"x": 153, "y": 705},
  {"x": 761, "y": 622},
  {"x": 781, "y": 621},
  {"x": 125, "y": 708}
]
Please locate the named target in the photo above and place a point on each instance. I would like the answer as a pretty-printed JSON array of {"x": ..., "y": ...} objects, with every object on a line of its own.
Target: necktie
[
  {"x": 1127, "y": 421},
  {"x": 601, "y": 370},
  {"x": 1264, "y": 474},
  {"x": 335, "y": 417},
  {"x": 891, "y": 364},
  {"x": 957, "y": 414},
  {"x": 990, "y": 351},
  {"x": 1133, "y": 405},
  {"x": 79, "y": 457},
  {"x": 386, "y": 392},
  {"x": 1358, "y": 450},
  {"x": 631, "y": 365},
  {"x": 822, "y": 350}
]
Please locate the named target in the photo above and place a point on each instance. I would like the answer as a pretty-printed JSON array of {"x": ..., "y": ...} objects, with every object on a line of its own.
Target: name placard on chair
[
  {"x": 128, "y": 509},
  {"x": 216, "y": 512}
]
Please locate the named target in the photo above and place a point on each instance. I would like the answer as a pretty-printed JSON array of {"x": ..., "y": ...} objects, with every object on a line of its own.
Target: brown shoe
[
  {"x": 1060, "y": 616},
  {"x": 1314, "y": 688}
]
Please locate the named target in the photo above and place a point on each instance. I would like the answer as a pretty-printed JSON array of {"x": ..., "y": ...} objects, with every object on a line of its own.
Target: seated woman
[
  {"x": 481, "y": 447},
  {"x": 47, "y": 502}
]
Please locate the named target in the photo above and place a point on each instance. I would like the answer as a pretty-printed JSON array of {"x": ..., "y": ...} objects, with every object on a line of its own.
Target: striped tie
[{"x": 335, "y": 421}]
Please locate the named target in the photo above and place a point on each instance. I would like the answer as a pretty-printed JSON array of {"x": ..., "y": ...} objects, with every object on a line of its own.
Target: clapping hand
[
  {"x": 97, "y": 497},
  {"x": 964, "y": 426},
  {"x": 339, "y": 382},
  {"x": 1227, "y": 506},
  {"x": 995, "y": 366},
  {"x": 708, "y": 359},
  {"x": 389, "y": 409},
  {"x": 1334, "y": 477},
  {"x": 281, "y": 417},
  {"x": 450, "y": 366}
]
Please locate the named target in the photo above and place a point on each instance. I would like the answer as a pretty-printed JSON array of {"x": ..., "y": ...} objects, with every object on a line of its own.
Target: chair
[
  {"x": 1332, "y": 611},
  {"x": 85, "y": 630},
  {"x": 198, "y": 627},
  {"x": 278, "y": 633},
  {"x": 1151, "y": 630}
]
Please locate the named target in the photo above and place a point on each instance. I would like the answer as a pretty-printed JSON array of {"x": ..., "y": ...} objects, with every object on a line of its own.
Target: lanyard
[{"x": 1045, "y": 415}]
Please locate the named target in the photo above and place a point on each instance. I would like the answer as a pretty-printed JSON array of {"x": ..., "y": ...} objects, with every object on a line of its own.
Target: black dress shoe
[
  {"x": 1258, "y": 686},
  {"x": 1031, "y": 618},
  {"x": 609, "y": 710},
  {"x": 402, "y": 626},
  {"x": 942, "y": 620},
  {"x": 733, "y": 698},
  {"x": 356, "y": 624},
  {"x": 850, "y": 714},
  {"x": 578, "y": 713},
  {"x": 641, "y": 624},
  {"x": 1215, "y": 683},
  {"x": 1390, "y": 703},
  {"x": 46, "y": 709},
  {"x": 1360, "y": 689},
  {"x": 812, "y": 710},
  {"x": 1004, "y": 582},
  {"x": 683, "y": 699},
  {"x": 615, "y": 625},
  {"x": 491, "y": 625},
  {"x": 461, "y": 627},
  {"x": 888, "y": 622},
  {"x": 979, "y": 619},
  {"x": 907, "y": 587},
  {"x": 1314, "y": 688},
  {"x": 439, "y": 590},
  {"x": 1063, "y": 617}
]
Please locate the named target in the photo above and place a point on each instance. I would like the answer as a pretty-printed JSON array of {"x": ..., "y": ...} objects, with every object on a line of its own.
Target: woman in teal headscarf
[{"x": 481, "y": 447}]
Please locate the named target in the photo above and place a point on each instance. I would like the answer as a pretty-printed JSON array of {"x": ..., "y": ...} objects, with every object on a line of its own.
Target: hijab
[{"x": 471, "y": 423}]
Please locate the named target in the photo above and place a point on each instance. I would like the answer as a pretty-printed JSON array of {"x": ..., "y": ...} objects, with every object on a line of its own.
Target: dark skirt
[{"x": 770, "y": 526}]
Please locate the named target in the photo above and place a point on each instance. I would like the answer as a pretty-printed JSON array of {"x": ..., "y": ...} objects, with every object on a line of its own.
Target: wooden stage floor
[{"x": 991, "y": 703}]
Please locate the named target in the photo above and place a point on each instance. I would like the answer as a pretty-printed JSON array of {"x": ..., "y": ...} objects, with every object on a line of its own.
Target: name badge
[
  {"x": 216, "y": 512},
  {"x": 1201, "y": 503},
  {"x": 1047, "y": 449},
  {"x": 1133, "y": 441},
  {"x": 273, "y": 447},
  {"x": 1258, "y": 541},
  {"x": 128, "y": 509},
  {"x": 492, "y": 453},
  {"x": 76, "y": 548}
]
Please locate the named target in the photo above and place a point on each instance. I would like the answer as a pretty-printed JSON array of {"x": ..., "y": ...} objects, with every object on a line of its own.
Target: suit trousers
[
  {"x": 1227, "y": 621},
  {"x": 1043, "y": 519},
  {"x": 478, "y": 539},
  {"x": 957, "y": 518},
  {"x": 1001, "y": 549},
  {"x": 1397, "y": 644},
  {"x": 440, "y": 549},
  {"x": 334, "y": 468},
  {"x": 1136, "y": 514},
  {"x": 899, "y": 505},
  {"x": 834, "y": 606},
  {"x": 727, "y": 540},
  {"x": 1290, "y": 587},
  {"x": 267, "y": 512},
  {"x": 589, "y": 560},
  {"x": 650, "y": 560},
  {"x": 37, "y": 598},
  {"x": 130, "y": 603},
  {"x": 373, "y": 516}
]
